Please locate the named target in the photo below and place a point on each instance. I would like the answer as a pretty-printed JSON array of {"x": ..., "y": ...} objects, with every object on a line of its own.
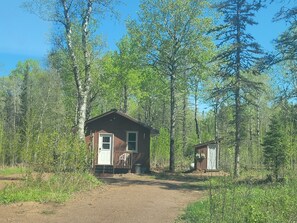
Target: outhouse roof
[{"x": 207, "y": 143}]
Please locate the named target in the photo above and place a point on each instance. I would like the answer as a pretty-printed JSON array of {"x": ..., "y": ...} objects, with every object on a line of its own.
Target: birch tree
[{"x": 67, "y": 15}]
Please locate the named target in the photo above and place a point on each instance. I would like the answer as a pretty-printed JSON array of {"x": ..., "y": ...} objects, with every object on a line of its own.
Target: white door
[
  {"x": 212, "y": 157},
  {"x": 105, "y": 148}
]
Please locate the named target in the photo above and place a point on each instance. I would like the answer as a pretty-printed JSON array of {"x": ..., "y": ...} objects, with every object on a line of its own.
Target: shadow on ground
[
  {"x": 11, "y": 178},
  {"x": 192, "y": 183}
]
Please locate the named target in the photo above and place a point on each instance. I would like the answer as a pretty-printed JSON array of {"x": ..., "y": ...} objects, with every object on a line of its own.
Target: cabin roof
[{"x": 115, "y": 111}]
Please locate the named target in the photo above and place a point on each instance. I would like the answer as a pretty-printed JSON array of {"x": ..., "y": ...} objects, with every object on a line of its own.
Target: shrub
[
  {"x": 58, "y": 188},
  {"x": 246, "y": 202}
]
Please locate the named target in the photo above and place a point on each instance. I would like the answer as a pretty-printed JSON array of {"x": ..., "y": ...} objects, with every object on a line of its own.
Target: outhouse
[{"x": 207, "y": 156}]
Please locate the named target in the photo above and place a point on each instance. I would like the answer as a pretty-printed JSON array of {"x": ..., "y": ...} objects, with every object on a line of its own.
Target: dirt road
[{"x": 126, "y": 199}]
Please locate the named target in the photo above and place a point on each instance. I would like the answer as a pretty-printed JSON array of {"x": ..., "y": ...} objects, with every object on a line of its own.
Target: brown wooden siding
[
  {"x": 201, "y": 164},
  {"x": 118, "y": 126}
]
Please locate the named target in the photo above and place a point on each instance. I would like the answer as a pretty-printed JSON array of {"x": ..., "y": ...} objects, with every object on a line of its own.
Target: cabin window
[{"x": 132, "y": 138}]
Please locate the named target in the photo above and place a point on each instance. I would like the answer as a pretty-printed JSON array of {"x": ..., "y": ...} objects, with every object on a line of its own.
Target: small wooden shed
[
  {"x": 207, "y": 156},
  {"x": 119, "y": 143}
]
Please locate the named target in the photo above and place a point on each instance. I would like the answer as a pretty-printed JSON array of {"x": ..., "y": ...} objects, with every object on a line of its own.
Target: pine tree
[
  {"x": 238, "y": 56},
  {"x": 274, "y": 148},
  {"x": 286, "y": 46}
]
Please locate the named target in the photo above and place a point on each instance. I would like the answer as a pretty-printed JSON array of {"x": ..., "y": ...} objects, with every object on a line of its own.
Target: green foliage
[
  {"x": 167, "y": 36},
  {"x": 237, "y": 57},
  {"x": 286, "y": 47},
  {"x": 274, "y": 147},
  {"x": 12, "y": 170},
  {"x": 58, "y": 152},
  {"x": 171, "y": 34},
  {"x": 58, "y": 188},
  {"x": 246, "y": 202},
  {"x": 159, "y": 149}
]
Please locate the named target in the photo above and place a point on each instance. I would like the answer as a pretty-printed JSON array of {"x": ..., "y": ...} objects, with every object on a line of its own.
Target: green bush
[
  {"x": 58, "y": 152},
  {"x": 58, "y": 188}
]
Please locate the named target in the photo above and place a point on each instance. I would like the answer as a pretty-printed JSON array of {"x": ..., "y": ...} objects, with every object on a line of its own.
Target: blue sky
[{"x": 25, "y": 36}]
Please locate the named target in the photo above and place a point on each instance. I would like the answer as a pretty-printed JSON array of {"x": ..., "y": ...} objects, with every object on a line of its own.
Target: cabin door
[
  {"x": 212, "y": 157},
  {"x": 105, "y": 148}
]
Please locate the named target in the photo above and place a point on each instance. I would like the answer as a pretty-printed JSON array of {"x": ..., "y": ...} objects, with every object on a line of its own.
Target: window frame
[{"x": 136, "y": 141}]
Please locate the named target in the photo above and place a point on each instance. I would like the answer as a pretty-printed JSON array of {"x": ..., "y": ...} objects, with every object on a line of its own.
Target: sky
[{"x": 25, "y": 36}]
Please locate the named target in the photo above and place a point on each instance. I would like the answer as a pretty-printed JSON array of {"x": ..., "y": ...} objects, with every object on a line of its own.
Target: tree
[
  {"x": 238, "y": 55},
  {"x": 75, "y": 16},
  {"x": 125, "y": 62},
  {"x": 171, "y": 33},
  {"x": 286, "y": 43},
  {"x": 274, "y": 148}
]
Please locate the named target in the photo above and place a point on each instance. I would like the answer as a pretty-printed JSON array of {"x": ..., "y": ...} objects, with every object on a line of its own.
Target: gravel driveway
[{"x": 125, "y": 198}]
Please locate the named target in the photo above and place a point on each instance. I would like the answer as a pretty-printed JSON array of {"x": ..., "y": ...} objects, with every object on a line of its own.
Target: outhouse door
[
  {"x": 212, "y": 157},
  {"x": 105, "y": 148}
]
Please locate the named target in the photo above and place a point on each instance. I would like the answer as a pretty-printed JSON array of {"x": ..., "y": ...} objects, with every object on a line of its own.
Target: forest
[{"x": 188, "y": 68}]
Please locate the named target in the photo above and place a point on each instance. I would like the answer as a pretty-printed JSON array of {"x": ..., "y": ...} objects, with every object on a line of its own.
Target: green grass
[
  {"x": 58, "y": 188},
  {"x": 12, "y": 170},
  {"x": 245, "y": 202}
]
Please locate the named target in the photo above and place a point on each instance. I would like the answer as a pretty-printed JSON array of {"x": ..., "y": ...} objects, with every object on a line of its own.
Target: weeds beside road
[{"x": 245, "y": 201}]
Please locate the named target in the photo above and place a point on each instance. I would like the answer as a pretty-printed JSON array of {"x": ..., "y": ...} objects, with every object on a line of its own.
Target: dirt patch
[{"x": 124, "y": 198}]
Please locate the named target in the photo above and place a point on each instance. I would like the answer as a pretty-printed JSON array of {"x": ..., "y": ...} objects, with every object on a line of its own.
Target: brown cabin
[
  {"x": 120, "y": 143},
  {"x": 207, "y": 156}
]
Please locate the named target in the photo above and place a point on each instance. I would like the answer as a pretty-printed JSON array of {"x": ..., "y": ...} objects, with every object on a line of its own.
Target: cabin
[
  {"x": 207, "y": 156},
  {"x": 119, "y": 143}
]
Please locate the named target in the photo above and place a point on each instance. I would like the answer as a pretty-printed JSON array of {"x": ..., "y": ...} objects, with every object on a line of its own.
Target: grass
[
  {"x": 12, "y": 170},
  {"x": 48, "y": 212},
  {"x": 58, "y": 188},
  {"x": 245, "y": 201}
]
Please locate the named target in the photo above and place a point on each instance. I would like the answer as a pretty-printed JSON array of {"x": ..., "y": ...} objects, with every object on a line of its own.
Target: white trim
[
  {"x": 93, "y": 149},
  {"x": 136, "y": 149},
  {"x": 212, "y": 158},
  {"x": 111, "y": 149}
]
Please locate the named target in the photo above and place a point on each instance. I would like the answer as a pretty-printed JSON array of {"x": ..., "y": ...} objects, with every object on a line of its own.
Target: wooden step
[{"x": 101, "y": 169}]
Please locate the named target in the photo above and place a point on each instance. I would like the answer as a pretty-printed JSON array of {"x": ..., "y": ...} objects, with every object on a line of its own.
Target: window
[
  {"x": 106, "y": 143},
  {"x": 132, "y": 141}
]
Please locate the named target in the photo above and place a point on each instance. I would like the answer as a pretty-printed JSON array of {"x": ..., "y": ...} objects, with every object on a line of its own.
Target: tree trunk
[
  {"x": 237, "y": 133},
  {"x": 258, "y": 132},
  {"x": 82, "y": 109},
  {"x": 82, "y": 84},
  {"x": 164, "y": 113},
  {"x": 125, "y": 94},
  {"x": 217, "y": 131},
  {"x": 184, "y": 134},
  {"x": 216, "y": 120},
  {"x": 87, "y": 68},
  {"x": 172, "y": 121},
  {"x": 197, "y": 130},
  {"x": 250, "y": 147},
  {"x": 24, "y": 104},
  {"x": 237, "y": 97}
]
